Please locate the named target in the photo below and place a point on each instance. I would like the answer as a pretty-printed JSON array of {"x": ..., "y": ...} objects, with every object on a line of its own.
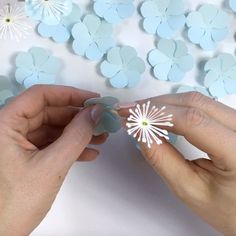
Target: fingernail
[
  {"x": 123, "y": 105},
  {"x": 96, "y": 113}
]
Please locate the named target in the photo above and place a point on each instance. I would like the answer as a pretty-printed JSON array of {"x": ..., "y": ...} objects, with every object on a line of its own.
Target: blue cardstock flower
[
  {"x": 232, "y": 4},
  {"x": 163, "y": 17},
  {"x": 62, "y": 32},
  {"x": 221, "y": 75},
  {"x": 110, "y": 121},
  {"x": 92, "y": 37},
  {"x": 170, "y": 60},
  {"x": 114, "y": 11},
  {"x": 207, "y": 26},
  {"x": 6, "y": 90},
  {"x": 123, "y": 67},
  {"x": 36, "y": 67},
  {"x": 49, "y": 12},
  {"x": 186, "y": 89}
]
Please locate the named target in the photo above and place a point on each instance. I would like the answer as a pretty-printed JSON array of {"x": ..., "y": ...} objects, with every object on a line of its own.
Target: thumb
[{"x": 75, "y": 137}]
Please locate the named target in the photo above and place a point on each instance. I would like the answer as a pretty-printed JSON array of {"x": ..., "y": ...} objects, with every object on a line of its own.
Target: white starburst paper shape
[
  {"x": 145, "y": 124},
  {"x": 13, "y": 23}
]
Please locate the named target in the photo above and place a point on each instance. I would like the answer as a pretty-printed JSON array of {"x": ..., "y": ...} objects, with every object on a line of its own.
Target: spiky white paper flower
[
  {"x": 13, "y": 24},
  {"x": 145, "y": 121}
]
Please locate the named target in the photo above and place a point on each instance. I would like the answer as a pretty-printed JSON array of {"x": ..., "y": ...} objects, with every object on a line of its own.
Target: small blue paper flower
[
  {"x": 232, "y": 4},
  {"x": 36, "y": 67},
  {"x": 171, "y": 60},
  {"x": 110, "y": 121},
  {"x": 123, "y": 67},
  {"x": 114, "y": 11},
  {"x": 186, "y": 89},
  {"x": 221, "y": 75},
  {"x": 207, "y": 26},
  {"x": 163, "y": 17},
  {"x": 6, "y": 90},
  {"x": 92, "y": 37},
  {"x": 61, "y": 33},
  {"x": 49, "y": 12}
]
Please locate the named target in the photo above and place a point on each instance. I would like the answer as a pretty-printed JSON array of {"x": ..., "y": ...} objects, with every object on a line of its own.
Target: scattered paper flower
[
  {"x": 186, "y": 89},
  {"x": 145, "y": 121},
  {"x": 92, "y": 37},
  {"x": 123, "y": 67},
  {"x": 171, "y": 60},
  {"x": 62, "y": 32},
  {"x": 114, "y": 11},
  {"x": 37, "y": 66},
  {"x": 163, "y": 17},
  {"x": 110, "y": 121},
  {"x": 221, "y": 75},
  {"x": 48, "y": 11},
  {"x": 13, "y": 24},
  {"x": 232, "y": 4},
  {"x": 6, "y": 90},
  {"x": 207, "y": 26}
]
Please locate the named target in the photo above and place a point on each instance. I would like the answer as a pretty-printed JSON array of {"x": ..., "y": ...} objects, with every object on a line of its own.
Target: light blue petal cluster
[
  {"x": 110, "y": 120},
  {"x": 170, "y": 60},
  {"x": 114, "y": 11},
  {"x": 6, "y": 90},
  {"x": 186, "y": 89},
  {"x": 232, "y": 4},
  {"x": 123, "y": 67},
  {"x": 92, "y": 37},
  {"x": 48, "y": 12},
  {"x": 221, "y": 75},
  {"x": 61, "y": 32},
  {"x": 36, "y": 67},
  {"x": 163, "y": 17},
  {"x": 207, "y": 26}
]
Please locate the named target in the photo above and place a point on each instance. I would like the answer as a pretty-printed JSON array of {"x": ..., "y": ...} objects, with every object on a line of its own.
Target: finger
[
  {"x": 97, "y": 140},
  {"x": 174, "y": 169},
  {"x": 215, "y": 109},
  {"x": 88, "y": 154}
]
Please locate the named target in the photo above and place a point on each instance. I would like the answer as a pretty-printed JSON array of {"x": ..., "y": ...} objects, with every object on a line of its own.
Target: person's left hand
[{"x": 42, "y": 133}]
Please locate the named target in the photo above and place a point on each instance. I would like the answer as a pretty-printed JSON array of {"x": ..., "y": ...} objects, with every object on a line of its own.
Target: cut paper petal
[
  {"x": 6, "y": 90},
  {"x": 120, "y": 80},
  {"x": 151, "y": 24},
  {"x": 232, "y": 4}
]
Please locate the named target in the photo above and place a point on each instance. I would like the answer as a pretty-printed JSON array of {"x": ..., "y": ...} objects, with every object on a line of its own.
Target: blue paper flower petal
[
  {"x": 25, "y": 60},
  {"x": 40, "y": 55},
  {"x": 217, "y": 89},
  {"x": 120, "y": 80},
  {"x": 22, "y": 73},
  {"x": 162, "y": 70},
  {"x": 230, "y": 86},
  {"x": 150, "y": 24},
  {"x": 164, "y": 30},
  {"x": 93, "y": 52},
  {"x": 232, "y": 4},
  {"x": 175, "y": 74}
]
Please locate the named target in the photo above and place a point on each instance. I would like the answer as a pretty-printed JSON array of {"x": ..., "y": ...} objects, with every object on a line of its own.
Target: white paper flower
[
  {"x": 13, "y": 24},
  {"x": 145, "y": 121}
]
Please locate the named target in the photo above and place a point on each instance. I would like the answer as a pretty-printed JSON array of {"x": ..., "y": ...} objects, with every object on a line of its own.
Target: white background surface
[{"x": 119, "y": 194}]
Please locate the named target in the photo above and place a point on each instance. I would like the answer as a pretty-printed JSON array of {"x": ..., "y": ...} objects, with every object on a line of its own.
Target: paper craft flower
[
  {"x": 170, "y": 61},
  {"x": 114, "y": 11},
  {"x": 123, "y": 67},
  {"x": 6, "y": 90},
  {"x": 186, "y": 89},
  {"x": 48, "y": 11},
  {"x": 145, "y": 121},
  {"x": 92, "y": 37},
  {"x": 13, "y": 24},
  {"x": 62, "y": 32},
  {"x": 110, "y": 121},
  {"x": 221, "y": 75},
  {"x": 163, "y": 17},
  {"x": 232, "y": 4},
  {"x": 207, "y": 26},
  {"x": 37, "y": 66}
]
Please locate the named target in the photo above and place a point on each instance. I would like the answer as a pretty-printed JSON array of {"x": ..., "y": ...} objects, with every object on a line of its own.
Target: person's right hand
[{"x": 208, "y": 187}]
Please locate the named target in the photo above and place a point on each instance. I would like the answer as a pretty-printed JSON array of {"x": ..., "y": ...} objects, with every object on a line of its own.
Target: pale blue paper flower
[
  {"x": 49, "y": 12},
  {"x": 232, "y": 4},
  {"x": 163, "y": 17},
  {"x": 171, "y": 60},
  {"x": 123, "y": 67},
  {"x": 114, "y": 11},
  {"x": 62, "y": 32},
  {"x": 207, "y": 26},
  {"x": 6, "y": 90},
  {"x": 92, "y": 37},
  {"x": 221, "y": 75},
  {"x": 110, "y": 121},
  {"x": 36, "y": 67},
  {"x": 186, "y": 89}
]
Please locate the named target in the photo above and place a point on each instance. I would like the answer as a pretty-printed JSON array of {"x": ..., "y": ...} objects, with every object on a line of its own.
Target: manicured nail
[
  {"x": 96, "y": 113},
  {"x": 123, "y": 105}
]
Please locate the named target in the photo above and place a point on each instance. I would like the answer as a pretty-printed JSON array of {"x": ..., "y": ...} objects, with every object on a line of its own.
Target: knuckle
[
  {"x": 194, "y": 99},
  {"x": 155, "y": 158},
  {"x": 195, "y": 117}
]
